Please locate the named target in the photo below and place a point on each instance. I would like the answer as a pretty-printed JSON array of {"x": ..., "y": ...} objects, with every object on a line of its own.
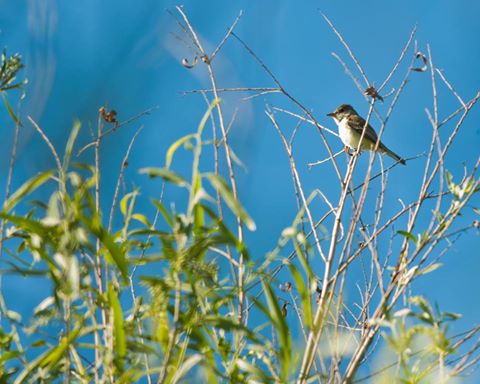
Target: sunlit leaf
[
  {"x": 428, "y": 269},
  {"x": 174, "y": 147},
  {"x": 70, "y": 144},
  {"x": 119, "y": 337},
  {"x": 408, "y": 235},
  {"x": 221, "y": 186},
  {"x": 161, "y": 208},
  {"x": 9, "y": 109},
  {"x": 27, "y": 188},
  {"x": 165, "y": 174},
  {"x": 281, "y": 327},
  {"x": 304, "y": 295}
]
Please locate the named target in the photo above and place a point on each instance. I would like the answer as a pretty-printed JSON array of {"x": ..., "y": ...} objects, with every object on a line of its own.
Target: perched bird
[{"x": 350, "y": 127}]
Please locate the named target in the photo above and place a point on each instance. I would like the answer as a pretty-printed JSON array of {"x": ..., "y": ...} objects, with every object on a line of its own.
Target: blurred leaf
[
  {"x": 142, "y": 219},
  {"x": 51, "y": 357},
  {"x": 281, "y": 327},
  {"x": 26, "y": 224},
  {"x": 304, "y": 295},
  {"x": 174, "y": 147},
  {"x": 254, "y": 370},
  {"x": 124, "y": 202},
  {"x": 163, "y": 331},
  {"x": 454, "y": 189},
  {"x": 107, "y": 241},
  {"x": 205, "y": 117},
  {"x": 408, "y": 235},
  {"x": 222, "y": 187},
  {"x": 450, "y": 316},
  {"x": 10, "y": 110},
  {"x": 119, "y": 336},
  {"x": 70, "y": 144},
  {"x": 187, "y": 365},
  {"x": 14, "y": 316},
  {"x": 9, "y": 355},
  {"x": 161, "y": 208},
  {"x": 165, "y": 174},
  {"x": 426, "y": 315},
  {"x": 28, "y": 187},
  {"x": 428, "y": 269}
]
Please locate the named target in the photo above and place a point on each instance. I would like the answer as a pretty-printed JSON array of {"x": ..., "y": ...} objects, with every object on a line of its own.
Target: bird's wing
[{"x": 358, "y": 123}]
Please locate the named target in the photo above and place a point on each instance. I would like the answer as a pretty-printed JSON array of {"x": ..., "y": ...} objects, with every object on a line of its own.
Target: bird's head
[{"x": 342, "y": 111}]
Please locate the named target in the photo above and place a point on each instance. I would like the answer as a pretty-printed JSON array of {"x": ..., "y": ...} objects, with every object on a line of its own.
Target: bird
[{"x": 350, "y": 126}]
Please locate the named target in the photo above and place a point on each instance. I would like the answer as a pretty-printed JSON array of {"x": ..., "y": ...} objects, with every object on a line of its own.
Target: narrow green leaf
[
  {"x": 10, "y": 110},
  {"x": 253, "y": 370},
  {"x": 161, "y": 208},
  {"x": 174, "y": 147},
  {"x": 58, "y": 352},
  {"x": 281, "y": 328},
  {"x": 304, "y": 295},
  {"x": 27, "y": 188},
  {"x": 165, "y": 174},
  {"x": 187, "y": 365},
  {"x": 222, "y": 187},
  {"x": 70, "y": 144},
  {"x": 119, "y": 337},
  {"x": 51, "y": 357},
  {"x": 141, "y": 218},
  {"x": 107, "y": 241},
  {"x": 428, "y": 269},
  {"x": 450, "y": 316},
  {"x": 205, "y": 117},
  {"x": 124, "y": 202},
  {"x": 408, "y": 235}
]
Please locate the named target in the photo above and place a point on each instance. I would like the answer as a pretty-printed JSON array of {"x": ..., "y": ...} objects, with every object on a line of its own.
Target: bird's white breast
[{"x": 349, "y": 137}]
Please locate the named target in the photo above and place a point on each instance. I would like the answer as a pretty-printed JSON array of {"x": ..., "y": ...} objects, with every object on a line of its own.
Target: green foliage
[
  {"x": 171, "y": 298},
  {"x": 185, "y": 325},
  {"x": 418, "y": 336},
  {"x": 9, "y": 68}
]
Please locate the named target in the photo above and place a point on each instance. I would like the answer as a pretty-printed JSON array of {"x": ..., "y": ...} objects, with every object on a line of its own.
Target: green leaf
[
  {"x": 10, "y": 110},
  {"x": 119, "y": 337},
  {"x": 141, "y": 218},
  {"x": 165, "y": 174},
  {"x": 51, "y": 357},
  {"x": 452, "y": 187},
  {"x": 190, "y": 362},
  {"x": 107, "y": 241},
  {"x": 254, "y": 370},
  {"x": 124, "y": 202},
  {"x": 428, "y": 269},
  {"x": 27, "y": 188},
  {"x": 408, "y": 235},
  {"x": 281, "y": 328},
  {"x": 450, "y": 316},
  {"x": 222, "y": 187},
  {"x": 174, "y": 147},
  {"x": 205, "y": 117},
  {"x": 304, "y": 295},
  {"x": 70, "y": 144},
  {"x": 161, "y": 208}
]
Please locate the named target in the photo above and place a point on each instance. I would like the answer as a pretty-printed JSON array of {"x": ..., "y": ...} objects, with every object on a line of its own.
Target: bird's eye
[{"x": 341, "y": 109}]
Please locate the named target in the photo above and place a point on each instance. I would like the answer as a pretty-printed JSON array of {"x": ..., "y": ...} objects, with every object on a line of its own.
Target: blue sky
[{"x": 82, "y": 55}]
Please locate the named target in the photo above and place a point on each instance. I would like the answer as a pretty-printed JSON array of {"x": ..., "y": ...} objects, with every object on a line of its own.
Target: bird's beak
[{"x": 331, "y": 114}]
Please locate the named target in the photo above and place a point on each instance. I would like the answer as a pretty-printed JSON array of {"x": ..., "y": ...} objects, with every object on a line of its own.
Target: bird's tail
[{"x": 392, "y": 154}]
